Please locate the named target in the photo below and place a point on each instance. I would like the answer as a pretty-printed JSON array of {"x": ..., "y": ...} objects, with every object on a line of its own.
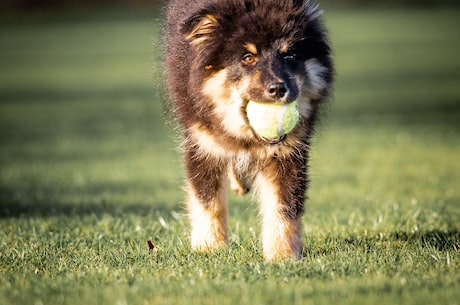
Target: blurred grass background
[{"x": 89, "y": 169}]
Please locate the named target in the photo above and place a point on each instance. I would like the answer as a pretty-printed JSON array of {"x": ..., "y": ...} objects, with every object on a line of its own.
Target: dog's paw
[
  {"x": 207, "y": 239},
  {"x": 281, "y": 240},
  {"x": 283, "y": 253},
  {"x": 208, "y": 223}
]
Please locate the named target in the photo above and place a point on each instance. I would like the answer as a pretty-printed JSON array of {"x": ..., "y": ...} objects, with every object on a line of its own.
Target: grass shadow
[
  {"x": 16, "y": 203},
  {"x": 437, "y": 239}
]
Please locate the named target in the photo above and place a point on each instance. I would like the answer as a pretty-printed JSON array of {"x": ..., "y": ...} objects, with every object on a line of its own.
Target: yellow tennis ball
[{"x": 272, "y": 121}]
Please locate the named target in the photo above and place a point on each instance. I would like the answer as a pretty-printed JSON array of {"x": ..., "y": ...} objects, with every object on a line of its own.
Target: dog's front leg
[
  {"x": 281, "y": 187},
  {"x": 206, "y": 203}
]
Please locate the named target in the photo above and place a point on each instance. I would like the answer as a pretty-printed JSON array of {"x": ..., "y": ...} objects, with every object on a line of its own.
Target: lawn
[{"x": 89, "y": 171}]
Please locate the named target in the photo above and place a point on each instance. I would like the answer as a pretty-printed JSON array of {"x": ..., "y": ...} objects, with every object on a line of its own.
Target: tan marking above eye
[
  {"x": 285, "y": 46},
  {"x": 251, "y": 48}
]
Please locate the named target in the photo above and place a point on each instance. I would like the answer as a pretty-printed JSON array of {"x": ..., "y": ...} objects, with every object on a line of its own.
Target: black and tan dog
[{"x": 219, "y": 55}]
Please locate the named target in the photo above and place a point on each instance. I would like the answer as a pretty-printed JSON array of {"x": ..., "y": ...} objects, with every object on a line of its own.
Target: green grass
[{"x": 89, "y": 172}]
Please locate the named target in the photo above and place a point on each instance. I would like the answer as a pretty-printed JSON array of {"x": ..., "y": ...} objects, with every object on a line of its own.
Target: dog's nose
[{"x": 277, "y": 89}]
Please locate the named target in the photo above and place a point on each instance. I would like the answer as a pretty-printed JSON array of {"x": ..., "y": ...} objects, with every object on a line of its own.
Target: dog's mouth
[
  {"x": 266, "y": 141},
  {"x": 259, "y": 138}
]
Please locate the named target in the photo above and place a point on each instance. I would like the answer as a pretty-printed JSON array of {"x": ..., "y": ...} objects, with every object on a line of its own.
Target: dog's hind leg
[
  {"x": 207, "y": 202},
  {"x": 238, "y": 184}
]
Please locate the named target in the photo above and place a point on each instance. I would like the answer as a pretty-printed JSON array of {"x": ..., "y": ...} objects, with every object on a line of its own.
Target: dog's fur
[{"x": 219, "y": 55}]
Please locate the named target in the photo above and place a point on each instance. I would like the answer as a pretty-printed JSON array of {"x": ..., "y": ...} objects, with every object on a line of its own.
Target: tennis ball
[{"x": 270, "y": 120}]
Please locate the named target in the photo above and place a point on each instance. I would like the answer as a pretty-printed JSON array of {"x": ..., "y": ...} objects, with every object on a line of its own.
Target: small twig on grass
[{"x": 152, "y": 247}]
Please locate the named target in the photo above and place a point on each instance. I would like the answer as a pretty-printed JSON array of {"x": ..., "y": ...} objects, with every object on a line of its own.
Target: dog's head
[{"x": 268, "y": 51}]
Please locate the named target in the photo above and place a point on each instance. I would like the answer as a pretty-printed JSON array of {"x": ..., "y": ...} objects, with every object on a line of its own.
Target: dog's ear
[{"x": 199, "y": 27}]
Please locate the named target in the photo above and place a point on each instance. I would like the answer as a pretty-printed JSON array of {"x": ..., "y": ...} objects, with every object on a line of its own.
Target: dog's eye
[
  {"x": 249, "y": 59},
  {"x": 289, "y": 58}
]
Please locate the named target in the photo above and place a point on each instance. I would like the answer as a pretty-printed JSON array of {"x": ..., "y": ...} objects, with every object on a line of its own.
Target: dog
[{"x": 220, "y": 54}]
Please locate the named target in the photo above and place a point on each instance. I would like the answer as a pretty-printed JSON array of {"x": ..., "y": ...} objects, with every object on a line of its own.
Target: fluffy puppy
[{"x": 220, "y": 54}]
